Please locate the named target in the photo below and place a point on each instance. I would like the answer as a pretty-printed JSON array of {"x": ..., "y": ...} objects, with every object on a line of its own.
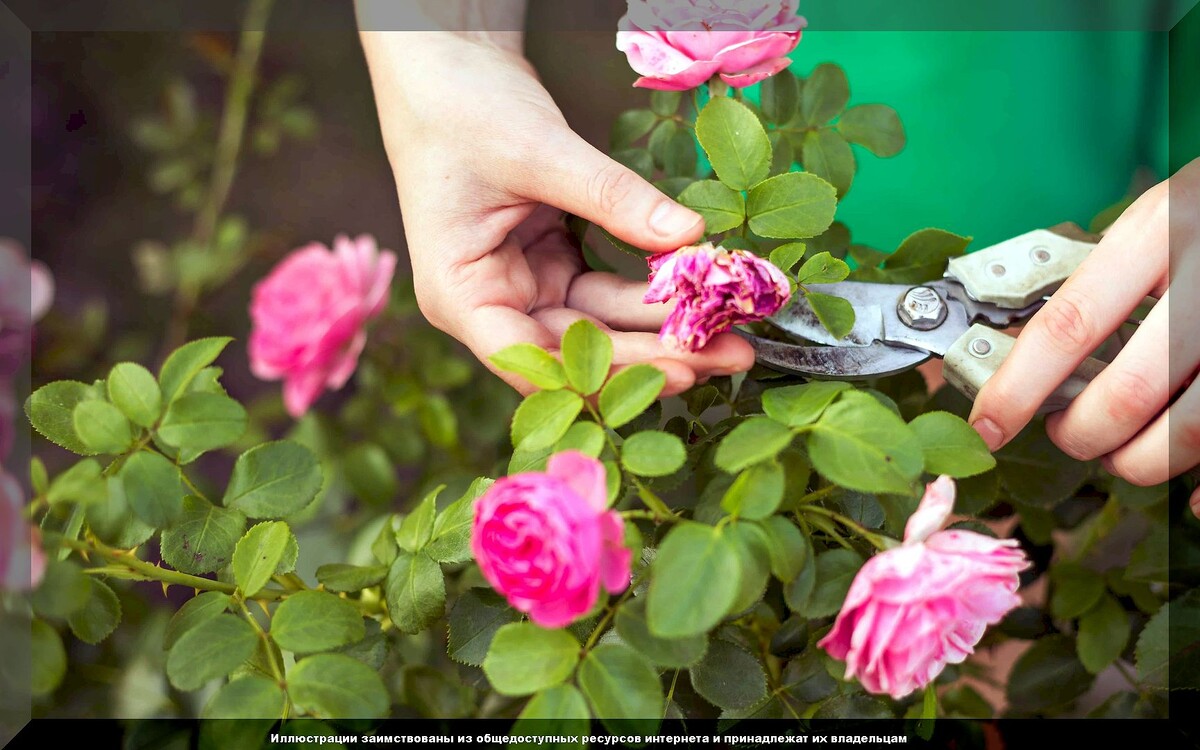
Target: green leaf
[
  {"x": 417, "y": 527},
  {"x": 679, "y": 154},
  {"x": 653, "y": 453},
  {"x": 438, "y": 420},
  {"x": 755, "y": 440},
  {"x": 783, "y": 153},
  {"x": 854, "y": 706},
  {"x": 828, "y": 155},
  {"x": 835, "y": 571},
  {"x": 637, "y": 159},
  {"x": 1166, "y": 653},
  {"x": 794, "y": 205},
  {"x": 258, "y": 555},
  {"x": 334, "y": 686},
  {"x": 204, "y": 538},
  {"x": 785, "y": 257},
  {"x": 835, "y": 313},
  {"x": 779, "y": 96},
  {"x": 694, "y": 581},
  {"x": 200, "y": 422},
  {"x": 368, "y": 469},
  {"x": 134, "y": 391},
  {"x": 798, "y": 405},
  {"x": 799, "y": 590},
  {"x": 723, "y": 208},
  {"x": 48, "y": 659},
  {"x": 619, "y": 684},
  {"x": 543, "y": 417},
  {"x": 451, "y": 539},
  {"x": 533, "y": 363},
  {"x": 82, "y": 483},
  {"x": 247, "y": 697},
  {"x": 951, "y": 446},
  {"x": 1035, "y": 472},
  {"x": 585, "y": 437},
  {"x": 876, "y": 127},
  {"x": 825, "y": 94},
  {"x": 587, "y": 354},
  {"x": 211, "y": 649},
  {"x": 665, "y": 103},
  {"x": 734, "y": 141},
  {"x": 1076, "y": 590},
  {"x": 102, "y": 427},
  {"x": 1103, "y": 634},
  {"x": 786, "y": 546},
  {"x": 754, "y": 569},
  {"x": 153, "y": 488},
  {"x": 1047, "y": 675},
  {"x": 273, "y": 480},
  {"x": 341, "y": 577},
  {"x": 630, "y": 392},
  {"x": 674, "y": 653},
  {"x": 198, "y": 609},
  {"x": 556, "y": 711},
  {"x": 822, "y": 268},
  {"x": 729, "y": 676},
  {"x": 99, "y": 617},
  {"x": 922, "y": 256},
  {"x": 524, "y": 658},
  {"x": 629, "y": 126},
  {"x": 310, "y": 621},
  {"x": 113, "y": 522},
  {"x": 51, "y": 411},
  {"x": 862, "y": 445},
  {"x": 63, "y": 591},
  {"x": 416, "y": 592},
  {"x": 474, "y": 621},
  {"x": 756, "y": 492},
  {"x": 186, "y": 362}
]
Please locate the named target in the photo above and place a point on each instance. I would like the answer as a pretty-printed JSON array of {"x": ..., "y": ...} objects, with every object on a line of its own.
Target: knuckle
[
  {"x": 1066, "y": 318},
  {"x": 1132, "y": 396},
  {"x": 611, "y": 186},
  {"x": 1074, "y": 442},
  {"x": 1188, "y": 440},
  {"x": 1133, "y": 472}
]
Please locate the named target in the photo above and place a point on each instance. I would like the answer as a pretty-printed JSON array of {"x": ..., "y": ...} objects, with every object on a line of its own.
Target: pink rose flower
[
  {"x": 309, "y": 313},
  {"x": 26, "y": 293},
  {"x": 22, "y": 561},
  {"x": 677, "y": 45},
  {"x": 547, "y": 542},
  {"x": 714, "y": 289},
  {"x": 925, "y": 604}
]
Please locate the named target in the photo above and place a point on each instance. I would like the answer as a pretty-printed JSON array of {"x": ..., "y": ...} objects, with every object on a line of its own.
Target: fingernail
[
  {"x": 990, "y": 433},
  {"x": 670, "y": 219}
]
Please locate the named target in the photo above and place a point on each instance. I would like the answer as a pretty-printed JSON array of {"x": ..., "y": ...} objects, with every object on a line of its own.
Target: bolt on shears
[{"x": 900, "y": 326}]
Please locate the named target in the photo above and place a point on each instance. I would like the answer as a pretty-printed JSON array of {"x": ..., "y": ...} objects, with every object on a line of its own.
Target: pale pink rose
[
  {"x": 548, "y": 542},
  {"x": 22, "y": 561},
  {"x": 26, "y": 292},
  {"x": 309, "y": 316},
  {"x": 714, "y": 289},
  {"x": 915, "y": 608},
  {"x": 677, "y": 45}
]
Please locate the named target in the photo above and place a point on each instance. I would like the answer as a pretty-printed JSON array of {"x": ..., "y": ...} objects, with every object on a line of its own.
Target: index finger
[{"x": 1129, "y": 263}]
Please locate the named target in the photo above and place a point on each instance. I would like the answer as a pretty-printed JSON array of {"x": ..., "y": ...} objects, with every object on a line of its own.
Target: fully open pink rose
[
  {"x": 916, "y": 608},
  {"x": 713, "y": 289},
  {"x": 22, "y": 561},
  {"x": 309, "y": 315},
  {"x": 677, "y": 45},
  {"x": 547, "y": 542}
]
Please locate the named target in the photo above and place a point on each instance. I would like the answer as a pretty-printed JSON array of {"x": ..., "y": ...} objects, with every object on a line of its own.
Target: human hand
[
  {"x": 485, "y": 164},
  {"x": 1142, "y": 413}
]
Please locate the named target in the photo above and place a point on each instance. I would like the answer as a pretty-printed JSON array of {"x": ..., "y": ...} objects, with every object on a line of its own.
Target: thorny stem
[
  {"x": 229, "y": 145},
  {"x": 670, "y": 694}
]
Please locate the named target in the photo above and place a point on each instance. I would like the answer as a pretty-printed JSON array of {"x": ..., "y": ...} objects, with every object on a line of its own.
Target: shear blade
[{"x": 836, "y": 363}]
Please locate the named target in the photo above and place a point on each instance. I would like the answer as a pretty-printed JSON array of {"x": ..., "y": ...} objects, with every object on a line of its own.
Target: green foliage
[
  {"x": 860, "y": 444},
  {"x": 587, "y": 354},
  {"x": 333, "y": 686},
  {"x": 99, "y": 617},
  {"x": 826, "y": 92},
  {"x": 416, "y": 591},
  {"x": 653, "y": 453},
  {"x": 261, "y": 554},
  {"x": 629, "y": 393},
  {"x": 524, "y": 658},
  {"x": 951, "y": 446},
  {"x": 273, "y": 480},
  {"x": 835, "y": 313},
  {"x": 735, "y": 143},
  {"x": 729, "y": 676},
  {"x": 208, "y": 650},
  {"x": 544, "y": 417},
  {"x": 755, "y": 440},
  {"x": 532, "y": 363},
  {"x": 204, "y": 538},
  {"x": 795, "y": 205},
  {"x": 693, "y": 583},
  {"x": 875, "y": 127},
  {"x": 246, "y": 697},
  {"x": 311, "y": 621},
  {"x": 619, "y": 684},
  {"x": 722, "y": 207}
]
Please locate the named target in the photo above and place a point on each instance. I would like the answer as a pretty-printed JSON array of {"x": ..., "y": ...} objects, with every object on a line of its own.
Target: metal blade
[{"x": 835, "y": 362}]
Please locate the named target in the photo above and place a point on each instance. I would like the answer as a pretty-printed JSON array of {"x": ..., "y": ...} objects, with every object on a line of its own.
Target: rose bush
[{"x": 428, "y": 546}]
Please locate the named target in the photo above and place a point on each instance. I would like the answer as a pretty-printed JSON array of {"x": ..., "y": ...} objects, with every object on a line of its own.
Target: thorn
[
  {"x": 164, "y": 587},
  {"x": 263, "y": 606},
  {"x": 195, "y": 592}
]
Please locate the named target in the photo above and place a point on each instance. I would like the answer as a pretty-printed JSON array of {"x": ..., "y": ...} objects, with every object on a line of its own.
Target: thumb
[{"x": 577, "y": 177}]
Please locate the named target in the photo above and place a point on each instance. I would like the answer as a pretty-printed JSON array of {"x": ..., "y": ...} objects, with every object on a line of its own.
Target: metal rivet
[
  {"x": 1040, "y": 255},
  {"x": 922, "y": 308},
  {"x": 997, "y": 269},
  {"x": 980, "y": 347}
]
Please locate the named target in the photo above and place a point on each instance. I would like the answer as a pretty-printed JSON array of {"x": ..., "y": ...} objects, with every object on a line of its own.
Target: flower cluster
[
  {"x": 915, "y": 608},
  {"x": 713, "y": 289},
  {"x": 680, "y": 44},
  {"x": 309, "y": 316},
  {"x": 548, "y": 542}
]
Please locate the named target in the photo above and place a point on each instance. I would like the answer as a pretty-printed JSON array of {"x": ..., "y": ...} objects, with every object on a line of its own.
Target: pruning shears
[{"x": 900, "y": 326}]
